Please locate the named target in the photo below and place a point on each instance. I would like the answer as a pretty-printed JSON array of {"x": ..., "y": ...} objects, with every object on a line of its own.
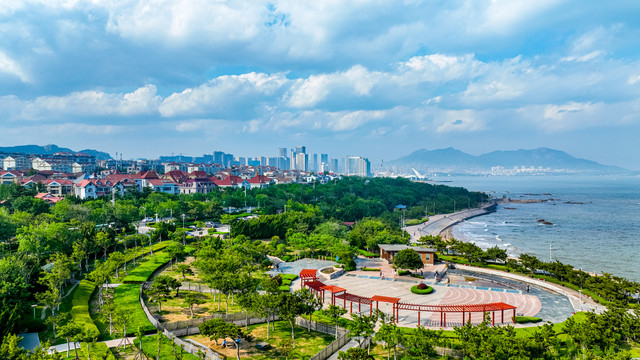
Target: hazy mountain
[
  {"x": 49, "y": 150},
  {"x": 454, "y": 160}
]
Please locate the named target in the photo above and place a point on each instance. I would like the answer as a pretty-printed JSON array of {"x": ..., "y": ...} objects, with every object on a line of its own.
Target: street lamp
[
  {"x": 183, "y": 220},
  {"x": 580, "y": 291},
  {"x": 34, "y": 306}
]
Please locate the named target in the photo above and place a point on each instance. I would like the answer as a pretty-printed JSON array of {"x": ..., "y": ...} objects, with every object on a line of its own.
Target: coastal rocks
[
  {"x": 574, "y": 202},
  {"x": 544, "y": 222}
]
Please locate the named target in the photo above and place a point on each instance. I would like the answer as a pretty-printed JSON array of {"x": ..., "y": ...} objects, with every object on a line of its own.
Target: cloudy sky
[{"x": 365, "y": 77}]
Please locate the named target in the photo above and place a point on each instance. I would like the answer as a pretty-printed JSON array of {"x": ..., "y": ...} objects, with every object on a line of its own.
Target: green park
[{"x": 89, "y": 280}]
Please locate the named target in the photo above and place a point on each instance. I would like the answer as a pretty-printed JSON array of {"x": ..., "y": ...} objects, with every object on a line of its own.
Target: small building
[{"x": 389, "y": 251}]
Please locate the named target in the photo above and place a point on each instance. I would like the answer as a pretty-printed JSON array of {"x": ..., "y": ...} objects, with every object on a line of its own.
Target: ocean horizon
[{"x": 595, "y": 220}]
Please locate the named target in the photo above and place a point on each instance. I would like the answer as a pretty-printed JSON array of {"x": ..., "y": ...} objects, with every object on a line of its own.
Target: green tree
[
  {"x": 191, "y": 300},
  {"x": 176, "y": 251},
  {"x": 184, "y": 270},
  {"x": 71, "y": 331},
  {"x": 362, "y": 325},
  {"x": 355, "y": 353},
  {"x": 335, "y": 313},
  {"x": 408, "y": 259},
  {"x": 496, "y": 253}
]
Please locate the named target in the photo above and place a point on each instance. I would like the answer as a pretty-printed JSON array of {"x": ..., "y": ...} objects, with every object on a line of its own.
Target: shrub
[
  {"x": 403, "y": 272},
  {"x": 427, "y": 290},
  {"x": 422, "y": 286},
  {"x": 80, "y": 304},
  {"x": 370, "y": 269},
  {"x": 366, "y": 253},
  {"x": 417, "y": 276},
  {"x": 527, "y": 319},
  {"x": 349, "y": 265}
]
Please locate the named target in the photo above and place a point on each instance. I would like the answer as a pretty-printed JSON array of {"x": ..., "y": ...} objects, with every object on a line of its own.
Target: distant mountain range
[
  {"x": 454, "y": 160},
  {"x": 49, "y": 150}
]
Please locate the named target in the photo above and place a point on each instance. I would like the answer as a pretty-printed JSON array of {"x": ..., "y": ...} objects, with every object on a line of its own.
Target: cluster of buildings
[{"x": 62, "y": 174}]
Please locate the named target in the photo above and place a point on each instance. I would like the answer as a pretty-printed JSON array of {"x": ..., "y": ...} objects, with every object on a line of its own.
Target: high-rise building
[
  {"x": 324, "y": 158},
  {"x": 357, "y": 166},
  {"x": 302, "y": 162},
  {"x": 315, "y": 163},
  {"x": 282, "y": 152},
  {"x": 301, "y": 149},
  {"x": 333, "y": 165},
  {"x": 218, "y": 157}
]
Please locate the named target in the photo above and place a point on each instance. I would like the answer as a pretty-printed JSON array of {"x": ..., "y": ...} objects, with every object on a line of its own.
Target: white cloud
[
  {"x": 583, "y": 58},
  {"x": 11, "y": 67},
  {"x": 224, "y": 95},
  {"x": 458, "y": 121},
  {"x": 85, "y": 103}
]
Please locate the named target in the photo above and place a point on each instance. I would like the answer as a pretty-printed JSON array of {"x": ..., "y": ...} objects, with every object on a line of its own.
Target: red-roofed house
[
  {"x": 197, "y": 186},
  {"x": 163, "y": 185},
  {"x": 260, "y": 181},
  {"x": 50, "y": 199},
  {"x": 8, "y": 177}
]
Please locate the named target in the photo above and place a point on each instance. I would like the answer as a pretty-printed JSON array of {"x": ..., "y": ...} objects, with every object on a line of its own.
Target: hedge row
[
  {"x": 80, "y": 304},
  {"x": 370, "y": 269},
  {"x": 126, "y": 297},
  {"x": 143, "y": 271},
  {"x": 527, "y": 319}
]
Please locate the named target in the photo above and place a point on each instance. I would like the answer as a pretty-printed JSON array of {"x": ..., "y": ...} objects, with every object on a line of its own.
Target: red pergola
[
  {"x": 464, "y": 309},
  {"x": 351, "y": 298},
  {"x": 307, "y": 275},
  {"x": 316, "y": 286},
  {"x": 335, "y": 290},
  {"x": 392, "y": 300}
]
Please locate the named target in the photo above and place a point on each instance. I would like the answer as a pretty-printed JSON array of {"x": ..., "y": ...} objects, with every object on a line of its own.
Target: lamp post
[
  {"x": 144, "y": 209},
  {"x": 183, "y": 216},
  {"x": 580, "y": 291},
  {"x": 34, "y": 306},
  {"x": 156, "y": 218}
]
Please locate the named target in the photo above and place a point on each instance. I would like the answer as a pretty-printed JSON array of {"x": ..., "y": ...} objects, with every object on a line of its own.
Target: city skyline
[{"x": 377, "y": 80}]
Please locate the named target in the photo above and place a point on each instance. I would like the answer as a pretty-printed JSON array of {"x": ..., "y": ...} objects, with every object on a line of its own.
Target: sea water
[{"x": 595, "y": 220}]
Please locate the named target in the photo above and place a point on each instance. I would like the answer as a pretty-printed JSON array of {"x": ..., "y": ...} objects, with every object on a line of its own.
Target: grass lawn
[
  {"x": 125, "y": 297},
  {"x": 150, "y": 348},
  {"x": 307, "y": 344},
  {"x": 173, "y": 308},
  {"x": 143, "y": 271},
  {"x": 366, "y": 253},
  {"x": 80, "y": 302}
]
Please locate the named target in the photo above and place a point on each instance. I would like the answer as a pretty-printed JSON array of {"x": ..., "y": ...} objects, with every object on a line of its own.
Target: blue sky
[{"x": 374, "y": 78}]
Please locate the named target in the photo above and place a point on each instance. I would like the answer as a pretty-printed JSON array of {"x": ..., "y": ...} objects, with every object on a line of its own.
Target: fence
[
  {"x": 319, "y": 327},
  {"x": 331, "y": 348},
  {"x": 190, "y": 347},
  {"x": 239, "y": 319}
]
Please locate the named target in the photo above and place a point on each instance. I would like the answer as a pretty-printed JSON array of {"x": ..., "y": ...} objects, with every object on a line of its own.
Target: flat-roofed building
[{"x": 389, "y": 251}]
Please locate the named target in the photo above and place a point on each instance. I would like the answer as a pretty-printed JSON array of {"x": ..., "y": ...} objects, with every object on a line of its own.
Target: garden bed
[{"x": 417, "y": 290}]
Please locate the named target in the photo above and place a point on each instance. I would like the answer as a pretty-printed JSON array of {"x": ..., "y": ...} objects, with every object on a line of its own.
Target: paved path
[
  {"x": 72, "y": 345},
  {"x": 438, "y": 223},
  {"x": 351, "y": 344}
]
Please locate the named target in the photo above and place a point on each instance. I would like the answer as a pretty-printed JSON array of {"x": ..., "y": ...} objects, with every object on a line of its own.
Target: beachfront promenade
[{"x": 439, "y": 224}]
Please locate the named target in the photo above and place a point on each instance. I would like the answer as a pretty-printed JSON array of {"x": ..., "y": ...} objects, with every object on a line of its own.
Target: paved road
[{"x": 438, "y": 223}]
